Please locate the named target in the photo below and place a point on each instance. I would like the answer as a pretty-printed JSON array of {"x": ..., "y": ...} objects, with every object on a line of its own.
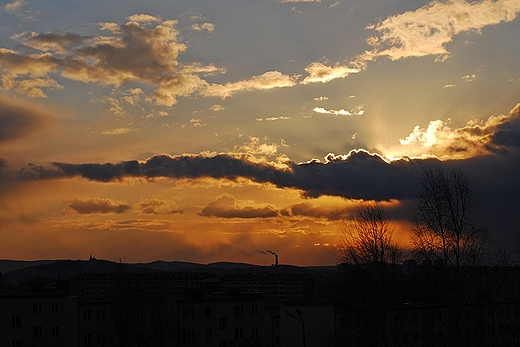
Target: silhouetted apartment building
[{"x": 38, "y": 319}]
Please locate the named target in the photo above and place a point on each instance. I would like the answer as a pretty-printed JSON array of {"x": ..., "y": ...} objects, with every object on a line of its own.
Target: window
[
  {"x": 17, "y": 321},
  {"x": 223, "y": 343},
  {"x": 188, "y": 336},
  {"x": 207, "y": 312},
  {"x": 56, "y": 332},
  {"x": 55, "y": 307},
  {"x": 86, "y": 316},
  {"x": 87, "y": 339},
  {"x": 239, "y": 311},
  {"x": 188, "y": 313},
  {"x": 254, "y": 310},
  {"x": 100, "y": 315},
  {"x": 239, "y": 333},
  {"x": 255, "y": 332},
  {"x": 101, "y": 339},
  {"x": 17, "y": 343},
  {"x": 37, "y": 332},
  {"x": 222, "y": 322},
  {"x": 343, "y": 321},
  {"x": 414, "y": 317},
  {"x": 37, "y": 308},
  {"x": 209, "y": 334}
]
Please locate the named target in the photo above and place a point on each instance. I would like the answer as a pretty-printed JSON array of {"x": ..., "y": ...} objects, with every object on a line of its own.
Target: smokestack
[{"x": 275, "y": 259}]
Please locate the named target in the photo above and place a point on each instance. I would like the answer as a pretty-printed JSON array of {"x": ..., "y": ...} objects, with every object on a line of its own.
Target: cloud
[
  {"x": 307, "y": 209},
  {"x": 268, "y": 80},
  {"x": 319, "y": 72},
  {"x": 117, "y": 131},
  {"x": 18, "y": 120},
  {"x": 497, "y": 133},
  {"x": 209, "y": 27},
  {"x": 358, "y": 174},
  {"x": 143, "y": 50},
  {"x": 357, "y": 112},
  {"x": 427, "y": 30},
  {"x": 97, "y": 206},
  {"x": 225, "y": 206},
  {"x": 155, "y": 207},
  {"x": 216, "y": 108},
  {"x": 14, "y": 6}
]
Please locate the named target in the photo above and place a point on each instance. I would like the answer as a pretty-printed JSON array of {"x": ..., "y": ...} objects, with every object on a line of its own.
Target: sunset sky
[{"x": 216, "y": 130}]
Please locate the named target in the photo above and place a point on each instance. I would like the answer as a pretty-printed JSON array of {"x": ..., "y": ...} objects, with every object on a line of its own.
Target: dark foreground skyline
[{"x": 144, "y": 131}]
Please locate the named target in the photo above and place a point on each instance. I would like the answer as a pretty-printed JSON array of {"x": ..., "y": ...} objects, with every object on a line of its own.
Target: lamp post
[{"x": 300, "y": 320}]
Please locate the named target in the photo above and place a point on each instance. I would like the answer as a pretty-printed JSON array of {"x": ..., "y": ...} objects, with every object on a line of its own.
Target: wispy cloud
[
  {"x": 318, "y": 72},
  {"x": 427, "y": 30},
  {"x": 155, "y": 207},
  {"x": 355, "y": 112},
  {"x": 209, "y": 27},
  {"x": 97, "y": 206},
  {"x": 14, "y": 6},
  {"x": 268, "y": 80}
]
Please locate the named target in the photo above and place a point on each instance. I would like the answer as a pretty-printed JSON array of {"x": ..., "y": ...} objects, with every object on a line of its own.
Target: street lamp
[{"x": 299, "y": 319}]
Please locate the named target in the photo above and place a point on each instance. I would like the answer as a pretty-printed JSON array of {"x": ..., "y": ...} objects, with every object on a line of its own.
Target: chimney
[{"x": 276, "y": 259}]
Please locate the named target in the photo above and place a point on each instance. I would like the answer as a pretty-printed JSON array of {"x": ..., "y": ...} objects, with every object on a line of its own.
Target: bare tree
[
  {"x": 444, "y": 229},
  {"x": 446, "y": 235},
  {"x": 370, "y": 250},
  {"x": 369, "y": 238}
]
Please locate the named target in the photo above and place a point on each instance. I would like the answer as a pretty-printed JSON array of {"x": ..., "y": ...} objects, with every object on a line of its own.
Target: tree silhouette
[
  {"x": 447, "y": 237},
  {"x": 371, "y": 254},
  {"x": 369, "y": 238}
]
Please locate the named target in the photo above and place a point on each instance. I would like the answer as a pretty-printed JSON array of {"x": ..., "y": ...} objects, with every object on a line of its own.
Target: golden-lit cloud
[
  {"x": 117, "y": 131},
  {"x": 439, "y": 139},
  {"x": 209, "y": 27},
  {"x": 318, "y": 72},
  {"x": 143, "y": 50},
  {"x": 226, "y": 206},
  {"x": 268, "y": 80},
  {"x": 427, "y": 30},
  {"x": 14, "y": 6},
  {"x": 355, "y": 112}
]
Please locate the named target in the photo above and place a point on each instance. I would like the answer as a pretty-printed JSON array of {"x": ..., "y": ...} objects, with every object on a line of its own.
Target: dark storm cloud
[
  {"x": 225, "y": 207},
  {"x": 97, "y": 206},
  {"x": 359, "y": 175},
  {"x": 18, "y": 120}
]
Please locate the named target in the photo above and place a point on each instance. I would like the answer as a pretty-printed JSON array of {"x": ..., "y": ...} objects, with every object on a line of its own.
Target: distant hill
[
  {"x": 15, "y": 271},
  {"x": 11, "y": 265}
]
